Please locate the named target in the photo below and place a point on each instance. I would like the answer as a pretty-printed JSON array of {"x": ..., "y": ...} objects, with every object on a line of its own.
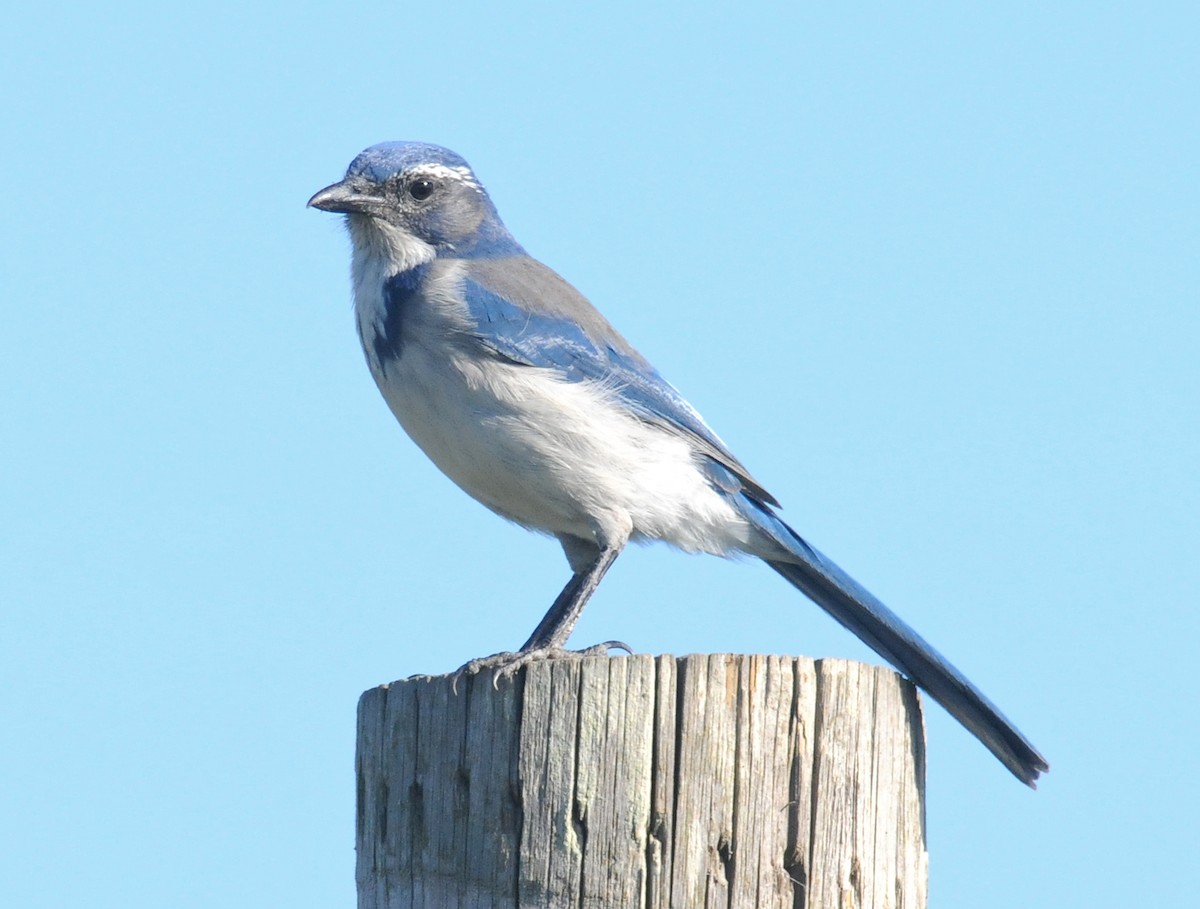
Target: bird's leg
[
  {"x": 559, "y": 621},
  {"x": 556, "y": 625}
]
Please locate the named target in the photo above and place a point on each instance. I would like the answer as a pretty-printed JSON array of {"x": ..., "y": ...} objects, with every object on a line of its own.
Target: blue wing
[{"x": 526, "y": 313}]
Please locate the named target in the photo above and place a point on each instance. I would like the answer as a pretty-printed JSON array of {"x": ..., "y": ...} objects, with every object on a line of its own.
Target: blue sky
[{"x": 931, "y": 271}]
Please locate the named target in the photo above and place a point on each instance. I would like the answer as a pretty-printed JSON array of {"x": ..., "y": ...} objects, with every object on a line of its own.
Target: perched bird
[{"x": 526, "y": 397}]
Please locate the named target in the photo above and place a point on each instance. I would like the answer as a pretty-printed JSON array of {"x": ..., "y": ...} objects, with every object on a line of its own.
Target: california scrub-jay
[{"x": 524, "y": 395}]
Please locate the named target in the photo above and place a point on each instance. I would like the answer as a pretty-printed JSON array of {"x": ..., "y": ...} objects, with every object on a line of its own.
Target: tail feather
[{"x": 885, "y": 633}]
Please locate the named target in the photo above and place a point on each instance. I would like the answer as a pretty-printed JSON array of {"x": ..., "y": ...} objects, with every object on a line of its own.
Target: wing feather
[{"x": 524, "y": 312}]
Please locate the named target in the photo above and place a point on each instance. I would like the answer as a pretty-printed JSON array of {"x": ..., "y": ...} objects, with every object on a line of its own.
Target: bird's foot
[{"x": 506, "y": 664}]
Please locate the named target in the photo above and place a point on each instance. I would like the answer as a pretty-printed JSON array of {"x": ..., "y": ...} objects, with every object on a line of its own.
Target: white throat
[
  {"x": 381, "y": 251},
  {"x": 395, "y": 250}
]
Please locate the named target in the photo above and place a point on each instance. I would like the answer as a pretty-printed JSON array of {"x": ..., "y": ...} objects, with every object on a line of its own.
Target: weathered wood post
[{"x": 644, "y": 783}]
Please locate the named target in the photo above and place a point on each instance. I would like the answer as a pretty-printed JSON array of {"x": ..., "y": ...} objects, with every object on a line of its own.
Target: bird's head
[{"x": 421, "y": 196}]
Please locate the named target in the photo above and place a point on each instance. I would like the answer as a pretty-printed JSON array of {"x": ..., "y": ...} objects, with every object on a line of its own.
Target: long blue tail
[{"x": 885, "y": 633}]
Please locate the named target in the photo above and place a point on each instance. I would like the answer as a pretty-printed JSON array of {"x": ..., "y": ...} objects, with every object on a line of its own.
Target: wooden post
[{"x": 644, "y": 783}]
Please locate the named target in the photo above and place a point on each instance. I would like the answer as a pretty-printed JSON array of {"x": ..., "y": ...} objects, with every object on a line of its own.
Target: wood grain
[{"x": 644, "y": 783}]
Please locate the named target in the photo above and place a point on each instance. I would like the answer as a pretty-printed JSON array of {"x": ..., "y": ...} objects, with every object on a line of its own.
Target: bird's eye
[{"x": 420, "y": 189}]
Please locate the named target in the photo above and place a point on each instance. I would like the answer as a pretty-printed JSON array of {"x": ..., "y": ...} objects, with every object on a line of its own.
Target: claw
[
  {"x": 603, "y": 649},
  {"x": 508, "y": 662}
]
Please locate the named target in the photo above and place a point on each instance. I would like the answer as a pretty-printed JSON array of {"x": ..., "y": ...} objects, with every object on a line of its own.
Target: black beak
[{"x": 344, "y": 198}]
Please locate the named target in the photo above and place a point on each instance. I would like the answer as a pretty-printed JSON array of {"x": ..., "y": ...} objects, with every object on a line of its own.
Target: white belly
[{"x": 561, "y": 457}]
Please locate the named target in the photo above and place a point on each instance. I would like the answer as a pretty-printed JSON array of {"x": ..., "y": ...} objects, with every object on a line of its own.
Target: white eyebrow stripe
[{"x": 445, "y": 172}]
